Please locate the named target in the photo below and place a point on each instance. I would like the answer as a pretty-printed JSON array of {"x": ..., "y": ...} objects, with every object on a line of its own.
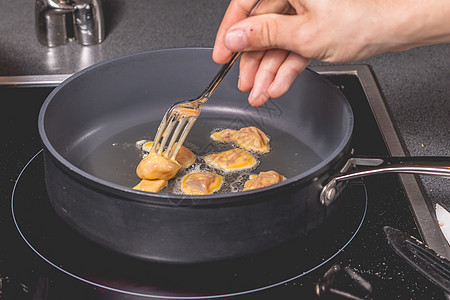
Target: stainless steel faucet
[{"x": 58, "y": 21}]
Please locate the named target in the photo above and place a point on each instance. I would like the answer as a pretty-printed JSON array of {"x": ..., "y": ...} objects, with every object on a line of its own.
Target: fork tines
[{"x": 169, "y": 122}]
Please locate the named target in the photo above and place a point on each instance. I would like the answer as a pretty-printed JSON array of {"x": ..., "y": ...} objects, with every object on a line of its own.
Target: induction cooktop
[{"x": 346, "y": 258}]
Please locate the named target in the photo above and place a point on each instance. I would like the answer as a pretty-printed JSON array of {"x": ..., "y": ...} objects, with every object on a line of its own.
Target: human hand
[{"x": 283, "y": 36}]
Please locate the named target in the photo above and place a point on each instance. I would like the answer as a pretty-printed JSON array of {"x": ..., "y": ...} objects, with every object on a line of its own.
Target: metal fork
[{"x": 185, "y": 113}]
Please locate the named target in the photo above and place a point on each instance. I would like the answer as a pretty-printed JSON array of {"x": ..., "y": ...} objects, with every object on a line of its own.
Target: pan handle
[{"x": 364, "y": 166}]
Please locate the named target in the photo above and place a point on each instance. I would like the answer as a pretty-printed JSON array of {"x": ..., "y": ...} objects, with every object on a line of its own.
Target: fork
[{"x": 185, "y": 113}]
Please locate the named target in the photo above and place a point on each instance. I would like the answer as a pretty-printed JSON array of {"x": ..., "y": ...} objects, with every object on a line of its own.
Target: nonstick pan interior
[{"x": 92, "y": 121}]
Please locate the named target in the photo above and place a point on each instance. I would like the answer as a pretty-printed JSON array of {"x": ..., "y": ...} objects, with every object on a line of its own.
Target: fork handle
[
  {"x": 218, "y": 78},
  {"x": 226, "y": 67}
]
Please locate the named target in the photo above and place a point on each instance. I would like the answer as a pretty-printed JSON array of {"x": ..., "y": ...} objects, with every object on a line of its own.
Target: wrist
[{"x": 419, "y": 23}]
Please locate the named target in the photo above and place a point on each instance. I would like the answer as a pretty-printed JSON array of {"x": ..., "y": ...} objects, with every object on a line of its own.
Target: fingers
[
  {"x": 236, "y": 11},
  {"x": 269, "y": 74},
  {"x": 265, "y": 74},
  {"x": 264, "y": 32},
  {"x": 273, "y": 26},
  {"x": 239, "y": 10},
  {"x": 248, "y": 67},
  {"x": 293, "y": 65}
]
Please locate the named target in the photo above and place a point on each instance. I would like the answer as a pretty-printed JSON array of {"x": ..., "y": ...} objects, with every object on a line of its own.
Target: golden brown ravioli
[
  {"x": 153, "y": 186},
  {"x": 157, "y": 166},
  {"x": 201, "y": 183},
  {"x": 263, "y": 179},
  {"x": 248, "y": 138},
  {"x": 225, "y": 135},
  {"x": 231, "y": 160},
  {"x": 185, "y": 157}
]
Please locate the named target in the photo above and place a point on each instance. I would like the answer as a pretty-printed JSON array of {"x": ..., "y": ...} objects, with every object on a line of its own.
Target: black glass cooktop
[{"x": 42, "y": 258}]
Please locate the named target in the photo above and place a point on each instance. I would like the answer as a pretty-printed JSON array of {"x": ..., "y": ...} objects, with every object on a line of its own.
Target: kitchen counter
[{"x": 416, "y": 83}]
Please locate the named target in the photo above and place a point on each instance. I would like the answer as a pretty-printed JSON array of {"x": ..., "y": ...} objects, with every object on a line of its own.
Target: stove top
[{"x": 346, "y": 258}]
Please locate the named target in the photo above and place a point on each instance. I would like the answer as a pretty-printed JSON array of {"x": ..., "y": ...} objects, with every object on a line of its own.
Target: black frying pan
[{"x": 89, "y": 126}]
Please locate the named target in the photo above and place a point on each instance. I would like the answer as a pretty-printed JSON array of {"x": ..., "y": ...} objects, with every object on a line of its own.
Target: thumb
[{"x": 263, "y": 32}]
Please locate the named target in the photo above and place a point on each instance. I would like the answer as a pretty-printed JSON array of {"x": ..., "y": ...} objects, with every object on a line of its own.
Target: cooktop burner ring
[{"x": 25, "y": 235}]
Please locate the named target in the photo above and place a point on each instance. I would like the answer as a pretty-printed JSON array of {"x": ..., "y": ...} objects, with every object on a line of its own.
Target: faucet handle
[
  {"x": 51, "y": 22},
  {"x": 89, "y": 27}
]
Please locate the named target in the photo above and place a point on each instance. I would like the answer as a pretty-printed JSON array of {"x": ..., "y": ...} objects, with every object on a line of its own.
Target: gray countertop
[{"x": 416, "y": 83}]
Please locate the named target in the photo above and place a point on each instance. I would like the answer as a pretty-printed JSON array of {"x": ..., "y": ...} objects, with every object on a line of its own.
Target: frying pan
[{"x": 90, "y": 124}]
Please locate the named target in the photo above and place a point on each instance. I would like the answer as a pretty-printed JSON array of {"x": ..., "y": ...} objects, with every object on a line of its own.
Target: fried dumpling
[
  {"x": 201, "y": 183},
  {"x": 157, "y": 166},
  {"x": 252, "y": 139},
  {"x": 225, "y": 135},
  {"x": 153, "y": 186},
  {"x": 185, "y": 157},
  {"x": 248, "y": 138},
  {"x": 263, "y": 179},
  {"x": 231, "y": 160}
]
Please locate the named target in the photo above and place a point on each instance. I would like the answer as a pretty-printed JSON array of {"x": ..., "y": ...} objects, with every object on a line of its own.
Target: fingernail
[
  {"x": 251, "y": 97},
  {"x": 270, "y": 88},
  {"x": 257, "y": 98},
  {"x": 235, "y": 40}
]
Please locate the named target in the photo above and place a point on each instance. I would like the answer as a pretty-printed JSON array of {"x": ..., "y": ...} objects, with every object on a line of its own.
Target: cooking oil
[{"x": 116, "y": 159}]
